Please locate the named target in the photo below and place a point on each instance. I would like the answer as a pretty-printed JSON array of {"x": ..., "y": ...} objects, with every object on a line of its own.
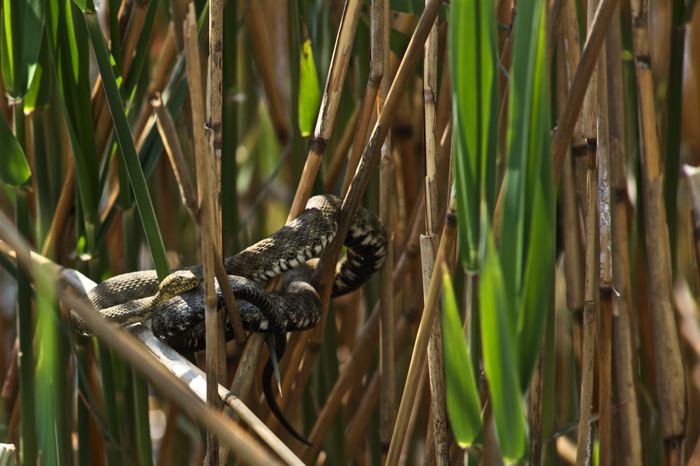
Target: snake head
[{"x": 177, "y": 283}]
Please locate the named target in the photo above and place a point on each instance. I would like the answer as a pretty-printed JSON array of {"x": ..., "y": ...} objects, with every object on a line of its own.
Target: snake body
[{"x": 176, "y": 305}]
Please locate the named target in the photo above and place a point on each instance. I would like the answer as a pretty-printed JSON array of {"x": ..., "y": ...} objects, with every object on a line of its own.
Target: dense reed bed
[{"x": 534, "y": 163}]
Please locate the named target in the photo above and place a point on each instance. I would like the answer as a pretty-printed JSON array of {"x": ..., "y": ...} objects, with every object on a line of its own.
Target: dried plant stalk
[
  {"x": 624, "y": 362},
  {"x": 670, "y": 374},
  {"x": 605, "y": 296},
  {"x": 215, "y": 365},
  {"x": 585, "y": 427}
]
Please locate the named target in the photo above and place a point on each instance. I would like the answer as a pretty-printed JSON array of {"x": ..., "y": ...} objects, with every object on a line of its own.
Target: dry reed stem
[
  {"x": 416, "y": 410},
  {"x": 324, "y": 272},
  {"x": 340, "y": 153},
  {"x": 625, "y": 357},
  {"x": 379, "y": 33},
  {"x": 424, "y": 329},
  {"x": 668, "y": 364},
  {"x": 261, "y": 46},
  {"x": 579, "y": 83},
  {"x": 692, "y": 174},
  {"x": 605, "y": 296},
  {"x": 573, "y": 263},
  {"x": 70, "y": 288},
  {"x": 164, "y": 63},
  {"x": 377, "y": 66},
  {"x": 386, "y": 304},
  {"x": 213, "y": 320},
  {"x": 428, "y": 244},
  {"x": 585, "y": 425},
  {"x": 171, "y": 143},
  {"x": 63, "y": 211},
  {"x": 435, "y": 359}
]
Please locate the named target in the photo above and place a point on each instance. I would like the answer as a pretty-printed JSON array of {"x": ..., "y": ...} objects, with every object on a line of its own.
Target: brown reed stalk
[
  {"x": 605, "y": 285},
  {"x": 215, "y": 364},
  {"x": 623, "y": 352},
  {"x": 387, "y": 369},
  {"x": 693, "y": 176},
  {"x": 428, "y": 244},
  {"x": 668, "y": 365},
  {"x": 585, "y": 424},
  {"x": 261, "y": 46},
  {"x": 341, "y": 152}
]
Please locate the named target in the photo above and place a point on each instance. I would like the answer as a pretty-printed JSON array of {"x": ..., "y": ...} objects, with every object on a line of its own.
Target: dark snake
[{"x": 176, "y": 306}]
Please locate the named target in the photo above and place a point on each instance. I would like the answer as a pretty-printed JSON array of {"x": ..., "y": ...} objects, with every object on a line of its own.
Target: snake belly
[{"x": 178, "y": 320}]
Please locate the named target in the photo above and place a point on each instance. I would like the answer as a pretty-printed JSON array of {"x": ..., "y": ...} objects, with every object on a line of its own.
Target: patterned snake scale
[{"x": 178, "y": 318}]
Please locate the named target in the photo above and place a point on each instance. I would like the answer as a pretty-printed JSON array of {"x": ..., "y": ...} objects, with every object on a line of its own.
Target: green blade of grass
[
  {"x": 473, "y": 65},
  {"x": 500, "y": 362},
  {"x": 126, "y": 145},
  {"x": 463, "y": 405}
]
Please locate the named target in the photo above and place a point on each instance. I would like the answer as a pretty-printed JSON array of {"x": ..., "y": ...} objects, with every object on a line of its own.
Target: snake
[{"x": 176, "y": 304}]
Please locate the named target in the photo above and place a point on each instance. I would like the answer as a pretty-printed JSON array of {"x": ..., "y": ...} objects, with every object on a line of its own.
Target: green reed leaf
[{"x": 463, "y": 407}]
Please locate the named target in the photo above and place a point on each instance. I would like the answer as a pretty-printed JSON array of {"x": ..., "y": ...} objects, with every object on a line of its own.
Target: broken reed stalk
[
  {"x": 424, "y": 329},
  {"x": 585, "y": 424},
  {"x": 605, "y": 296},
  {"x": 72, "y": 295},
  {"x": 668, "y": 365},
  {"x": 428, "y": 244},
  {"x": 326, "y": 268},
  {"x": 171, "y": 142},
  {"x": 213, "y": 321},
  {"x": 625, "y": 357}
]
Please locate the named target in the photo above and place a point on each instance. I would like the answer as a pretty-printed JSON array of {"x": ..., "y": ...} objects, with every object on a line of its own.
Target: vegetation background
[{"x": 534, "y": 162}]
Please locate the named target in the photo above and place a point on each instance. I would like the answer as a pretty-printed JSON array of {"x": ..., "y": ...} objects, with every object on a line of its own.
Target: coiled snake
[{"x": 176, "y": 305}]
